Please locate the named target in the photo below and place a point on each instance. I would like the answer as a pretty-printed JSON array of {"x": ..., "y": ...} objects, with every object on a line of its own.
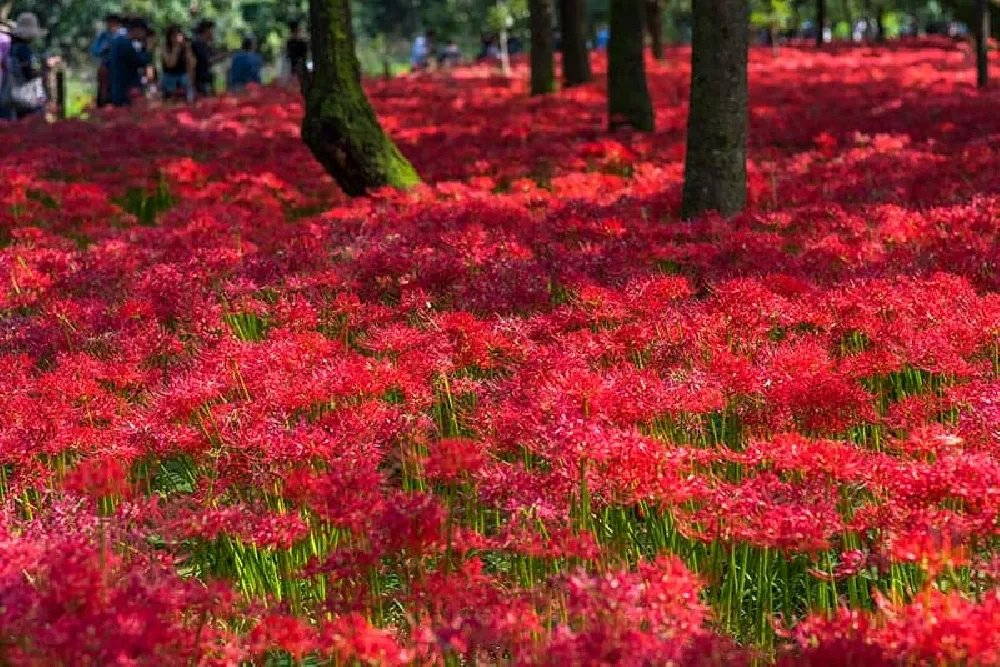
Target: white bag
[{"x": 17, "y": 93}]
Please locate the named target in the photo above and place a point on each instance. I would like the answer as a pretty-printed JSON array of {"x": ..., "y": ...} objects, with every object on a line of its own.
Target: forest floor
[{"x": 524, "y": 414}]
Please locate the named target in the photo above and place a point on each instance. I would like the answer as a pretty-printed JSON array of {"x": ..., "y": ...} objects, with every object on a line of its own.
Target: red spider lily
[{"x": 505, "y": 416}]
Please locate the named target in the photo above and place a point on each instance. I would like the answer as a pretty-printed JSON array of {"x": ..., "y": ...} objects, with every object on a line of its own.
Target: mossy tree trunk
[
  {"x": 340, "y": 126},
  {"x": 543, "y": 78},
  {"x": 654, "y": 24},
  {"x": 628, "y": 94},
  {"x": 575, "y": 56},
  {"x": 981, "y": 32},
  {"x": 820, "y": 21},
  {"x": 715, "y": 172}
]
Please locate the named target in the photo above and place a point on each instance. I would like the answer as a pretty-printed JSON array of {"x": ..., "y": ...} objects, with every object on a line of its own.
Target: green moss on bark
[
  {"x": 340, "y": 126},
  {"x": 628, "y": 94}
]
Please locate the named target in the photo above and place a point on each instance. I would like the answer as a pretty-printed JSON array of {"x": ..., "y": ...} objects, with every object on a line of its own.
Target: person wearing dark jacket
[
  {"x": 245, "y": 67},
  {"x": 101, "y": 51},
  {"x": 296, "y": 50},
  {"x": 128, "y": 58},
  {"x": 205, "y": 58}
]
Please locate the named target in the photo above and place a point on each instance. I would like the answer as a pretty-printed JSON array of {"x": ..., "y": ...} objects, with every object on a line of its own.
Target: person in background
[
  {"x": 177, "y": 61},
  {"x": 127, "y": 63},
  {"x": 245, "y": 67},
  {"x": 204, "y": 58},
  {"x": 423, "y": 47},
  {"x": 114, "y": 25},
  {"x": 21, "y": 63},
  {"x": 603, "y": 38},
  {"x": 296, "y": 50},
  {"x": 488, "y": 49},
  {"x": 5, "y": 41},
  {"x": 450, "y": 55}
]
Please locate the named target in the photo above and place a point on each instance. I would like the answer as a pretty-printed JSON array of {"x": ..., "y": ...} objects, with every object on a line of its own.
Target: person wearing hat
[
  {"x": 21, "y": 64},
  {"x": 127, "y": 61}
]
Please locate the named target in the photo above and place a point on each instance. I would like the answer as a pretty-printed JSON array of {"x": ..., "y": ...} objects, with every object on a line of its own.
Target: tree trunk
[
  {"x": 504, "y": 53},
  {"x": 654, "y": 24},
  {"x": 880, "y": 25},
  {"x": 820, "y": 22},
  {"x": 715, "y": 171},
  {"x": 628, "y": 95},
  {"x": 981, "y": 31},
  {"x": 846, "y": 10},
  {"x": 575, "y": 57},
  {"x": 543, "y": 78},
  {"x": 340, "y": 126}
]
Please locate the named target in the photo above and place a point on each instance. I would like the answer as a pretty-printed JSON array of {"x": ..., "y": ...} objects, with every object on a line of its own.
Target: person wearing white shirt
[{"x": 420, "y": 56}]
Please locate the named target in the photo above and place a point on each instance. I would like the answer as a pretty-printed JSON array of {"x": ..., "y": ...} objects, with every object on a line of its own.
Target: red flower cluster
[{"x": 525, "y": 415}]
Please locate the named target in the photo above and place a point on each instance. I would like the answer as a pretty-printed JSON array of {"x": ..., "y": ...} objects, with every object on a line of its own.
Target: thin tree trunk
[
  {"x": 628, "y": 94},
  {"x": 543, "y": 78},
  {"x": 880, "y": 25},
  {"x": 715, "y": 173},
  {"x": 654, "y": 24},
  {"x": 820, "y": 22},
  {"x": 575, "y": 57},
  {"x": 504, "y": 53},
  {"x": 981, "y": 31},
  {"x": 846, "y": 5},
  {"x": 340, "y": 126}
]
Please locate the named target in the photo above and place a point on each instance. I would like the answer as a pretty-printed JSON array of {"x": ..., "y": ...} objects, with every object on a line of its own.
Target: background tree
[
  {"x": 340, "y": 126},
  {"x": 628, "y": 94},
  {"x": 981, "y": 32},
  {"x": 715, "y": 171},
  {"x": 575, "y": 55},
  {"x": 542, "y": 43},
  {"x": 654, "y": 24},
  {"x": 820, "y": 21}
]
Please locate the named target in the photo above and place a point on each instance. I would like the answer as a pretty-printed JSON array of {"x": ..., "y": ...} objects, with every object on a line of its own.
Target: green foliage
[
  {"x": 73, "y": 24},
  {"x": 772, "y": 13}
]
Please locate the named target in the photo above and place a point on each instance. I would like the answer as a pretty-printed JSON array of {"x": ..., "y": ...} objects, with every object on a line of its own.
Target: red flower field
[{"x": 523, "y": 415}]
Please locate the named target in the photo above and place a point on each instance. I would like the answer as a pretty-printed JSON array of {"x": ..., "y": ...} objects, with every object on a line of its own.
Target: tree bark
[
  {"x": 340, "y": 126},
  {"x": 981, "y": 32},
  {"x": 575, "y": 56},
  {"x": 654, "y": 24},
  {"x": 820, "y": 22},
  {"x": 628, "y": 95},
  {"x": 543, "y": 79},
  {"x": 504, "y": 53},
  {"x": 715, "y": 171}
]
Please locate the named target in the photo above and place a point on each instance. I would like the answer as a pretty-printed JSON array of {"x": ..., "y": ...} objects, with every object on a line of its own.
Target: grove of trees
[
  {"x": 379, "y": 24},
  {"x": 341, "y": 129}
]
